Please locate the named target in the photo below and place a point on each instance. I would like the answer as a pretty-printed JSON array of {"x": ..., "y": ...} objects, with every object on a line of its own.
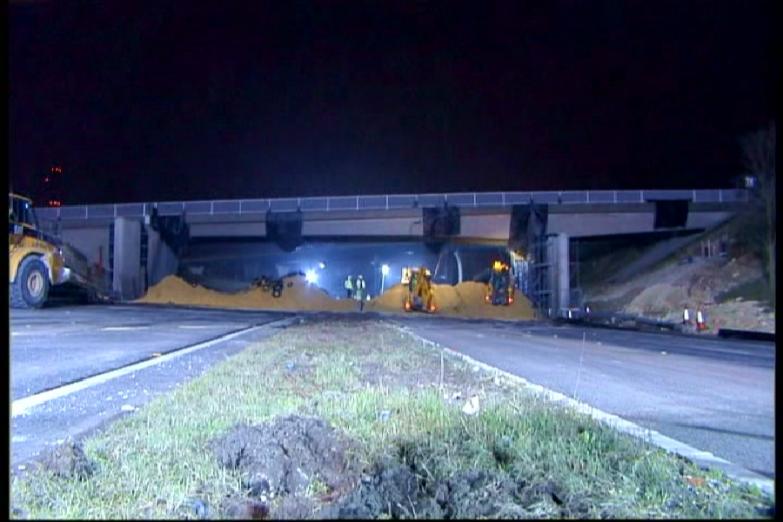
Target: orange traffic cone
[{"x": 700, "y": 321}]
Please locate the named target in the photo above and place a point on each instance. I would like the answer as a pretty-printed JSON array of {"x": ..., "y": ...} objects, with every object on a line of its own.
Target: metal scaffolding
[
  {"x": 538, "y": 280},
  {"x": 545, "y": 280}
]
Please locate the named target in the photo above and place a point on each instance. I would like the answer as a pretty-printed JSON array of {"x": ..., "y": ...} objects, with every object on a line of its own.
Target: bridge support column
[
  {"x": 128, "y": 279},
  {"x": 559, "y": 275},
  {"x": 161, "y": 258}
]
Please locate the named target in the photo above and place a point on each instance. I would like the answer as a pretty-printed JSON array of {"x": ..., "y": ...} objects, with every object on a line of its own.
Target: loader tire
[{"x": 31, "y": 287}]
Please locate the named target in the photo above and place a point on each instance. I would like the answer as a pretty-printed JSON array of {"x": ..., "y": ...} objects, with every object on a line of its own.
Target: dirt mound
[
  {"x": 67, "y": 460},
  {"x": 693, "y": 283},
  {"x": 290, "y": 456},
  {"x": 391, "y": 300},
  {"x": 402, "y": 490},
  {"x": 394, "y": 492},
  {"x": 297, "y": 295},
  {"x": 656, "y": 300},
  {"x": 463, "y": 300},
  {"x": 300, "y": 467},
  {"x": 447, "y": 298}
]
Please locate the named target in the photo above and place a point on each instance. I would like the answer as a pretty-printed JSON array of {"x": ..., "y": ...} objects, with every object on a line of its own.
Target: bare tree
[{"x": 758, "y": 154}]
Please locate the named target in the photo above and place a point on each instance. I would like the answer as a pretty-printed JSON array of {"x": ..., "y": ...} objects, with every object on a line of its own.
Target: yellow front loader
[{"x": 35, "y": 260}]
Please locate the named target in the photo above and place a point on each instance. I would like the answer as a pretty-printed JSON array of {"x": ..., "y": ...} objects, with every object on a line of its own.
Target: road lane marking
[
  {"x": 196, "y": 326},
  {"x": 700, "y": 457},
  {"x": 123, "y": 328},
  {"x": 21, "y": 406}
]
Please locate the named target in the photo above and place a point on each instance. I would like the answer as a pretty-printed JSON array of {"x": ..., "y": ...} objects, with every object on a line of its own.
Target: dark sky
[{"x": 147, "y": 101}]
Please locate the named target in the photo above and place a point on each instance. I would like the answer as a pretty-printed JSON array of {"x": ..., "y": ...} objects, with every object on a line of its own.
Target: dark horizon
[{"x": 175, "y": 101}]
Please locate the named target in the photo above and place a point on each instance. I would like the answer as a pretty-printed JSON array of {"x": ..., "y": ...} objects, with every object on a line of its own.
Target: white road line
[
  {"x": 197, "y": 326},
  {"x": 21, "y": 406},
  {"x": 123, "y": 328},
  {"x": 704, "y": 458}
]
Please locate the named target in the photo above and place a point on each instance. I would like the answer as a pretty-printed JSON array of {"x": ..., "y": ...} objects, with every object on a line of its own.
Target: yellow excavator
[
  {"x": 37, "y": 261},
  {"x": 420, "y": 293}
]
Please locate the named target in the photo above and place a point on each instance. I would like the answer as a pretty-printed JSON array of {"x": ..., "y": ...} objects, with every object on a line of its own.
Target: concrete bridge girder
[
  {"x": 587, "y": 224},
  {"x": 576, "y": 221}
]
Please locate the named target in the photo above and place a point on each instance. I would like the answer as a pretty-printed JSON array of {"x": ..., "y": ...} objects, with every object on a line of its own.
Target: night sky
[{"x": 146, "y": 101}]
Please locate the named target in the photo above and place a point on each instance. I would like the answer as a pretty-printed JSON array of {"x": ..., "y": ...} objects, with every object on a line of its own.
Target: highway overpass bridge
[{"x": 140, "y": 242}]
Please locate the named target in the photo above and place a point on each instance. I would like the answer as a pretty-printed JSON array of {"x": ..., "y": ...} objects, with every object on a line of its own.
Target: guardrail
[
  {"x": 387, "y": 202},
  {"x": 616, "y": 320}
]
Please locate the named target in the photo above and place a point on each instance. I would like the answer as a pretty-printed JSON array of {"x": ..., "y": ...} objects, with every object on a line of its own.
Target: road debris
[{"x": 471, "y": 407}]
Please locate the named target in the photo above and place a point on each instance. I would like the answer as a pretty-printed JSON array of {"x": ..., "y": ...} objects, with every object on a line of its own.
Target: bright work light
[{"x": 311, "y": 276}]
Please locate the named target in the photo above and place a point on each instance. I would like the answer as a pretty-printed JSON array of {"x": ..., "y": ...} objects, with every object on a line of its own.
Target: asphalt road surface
[
  {"x": 713, "y": 394},
  {"x": 56, "y": 346}
]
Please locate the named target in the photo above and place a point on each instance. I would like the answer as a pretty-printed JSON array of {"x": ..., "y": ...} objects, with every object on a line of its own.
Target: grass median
[{"x": 353, "y": 418}]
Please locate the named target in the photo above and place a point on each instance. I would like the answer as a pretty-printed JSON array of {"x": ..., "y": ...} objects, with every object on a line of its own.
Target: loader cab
[{"x": 21, "y": 214}]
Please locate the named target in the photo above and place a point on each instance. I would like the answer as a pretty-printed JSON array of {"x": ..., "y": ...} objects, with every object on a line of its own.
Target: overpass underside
[{"x": 576, "y": 221}]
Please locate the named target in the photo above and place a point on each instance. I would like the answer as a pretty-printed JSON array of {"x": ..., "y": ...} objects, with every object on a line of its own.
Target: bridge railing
[{"x": 386, "y": 202}]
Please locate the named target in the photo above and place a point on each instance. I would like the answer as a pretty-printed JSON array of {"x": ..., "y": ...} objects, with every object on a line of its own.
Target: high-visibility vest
[
  {"x": 685, "y": 316},
  {"x": 360, "y": 284},
  {"x": 349, "y": 284}
]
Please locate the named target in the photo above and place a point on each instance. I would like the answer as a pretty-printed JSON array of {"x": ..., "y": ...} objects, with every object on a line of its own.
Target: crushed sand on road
[
  {"x": 298, "y": 296},
  {"x": 462, "y": 300}
]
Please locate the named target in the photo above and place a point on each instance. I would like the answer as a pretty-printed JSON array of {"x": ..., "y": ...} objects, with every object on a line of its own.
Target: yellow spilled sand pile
[
  {"x": 463, "y": 300},
  {"x": 299, "y": 296}
]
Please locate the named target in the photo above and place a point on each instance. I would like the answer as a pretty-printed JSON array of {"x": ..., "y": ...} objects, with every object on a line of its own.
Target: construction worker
[
  {"x": 349, "y": 287},
  {"x": 359, "y": 291}
]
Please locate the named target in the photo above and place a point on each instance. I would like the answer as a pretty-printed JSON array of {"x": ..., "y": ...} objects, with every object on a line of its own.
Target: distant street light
[
  {"x": 321, "y": 265},
  {"x": 384, "y": 273}
]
